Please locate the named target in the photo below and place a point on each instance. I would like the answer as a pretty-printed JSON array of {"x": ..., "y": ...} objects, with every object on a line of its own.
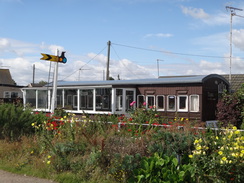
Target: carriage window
[
  {"x": 140, "y": 101},
  {"x": 194, "y": 103},
  {"x": 160, "y": 102},
  {"x": 182, "y": 103},
  {"x": 171, "y": 103},
  {"x": 150, "y": 100}
]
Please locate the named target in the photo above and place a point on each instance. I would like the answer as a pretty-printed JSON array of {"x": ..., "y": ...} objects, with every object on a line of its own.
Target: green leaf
[{"x": 175, "y": 161}]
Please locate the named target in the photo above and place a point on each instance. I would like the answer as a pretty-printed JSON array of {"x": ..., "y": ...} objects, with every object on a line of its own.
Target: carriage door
[{"x": 123, "y": 99}]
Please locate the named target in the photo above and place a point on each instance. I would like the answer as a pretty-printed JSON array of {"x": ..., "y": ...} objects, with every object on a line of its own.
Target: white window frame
[
  {"x": 7, "y": 94},
  {"x": 178, "y": 103},
  {"x": 198, "y": 104},
  {"x": 168, "y": 109},
  {"x": 157, "y": 101}
]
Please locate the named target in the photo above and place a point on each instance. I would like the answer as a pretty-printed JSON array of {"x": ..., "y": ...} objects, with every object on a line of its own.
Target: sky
[{"x": 149, "y": 38}]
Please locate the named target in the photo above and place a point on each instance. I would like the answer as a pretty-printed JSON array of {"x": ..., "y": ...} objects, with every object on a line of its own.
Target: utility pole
[
  {"x": 109, "y": 44},
  {"x": 232, "y": 13},
  {"x": 33, "y": 80},
  {"x": 55, "y": 79}
]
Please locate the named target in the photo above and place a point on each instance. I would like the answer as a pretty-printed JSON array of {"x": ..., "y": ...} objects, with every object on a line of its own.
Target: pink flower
[
  {"x": 132, "y": 103},
  {"x": 144, "y": 103}
]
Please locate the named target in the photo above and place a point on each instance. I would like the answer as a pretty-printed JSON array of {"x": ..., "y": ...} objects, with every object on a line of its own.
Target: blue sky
[{"x": 187, "y": 36}]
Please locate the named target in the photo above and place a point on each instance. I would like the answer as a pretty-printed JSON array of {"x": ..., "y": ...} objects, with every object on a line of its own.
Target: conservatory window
[
  {"x": 103, "y": 99},
  {"x": 194, "y": 103},
  {"x": 42, "y": 99},
  {"x": 86, "y": 99},
  {"x": 31, "y": 98},
  {"x": 119, "y": 99},
  {"x": 171, "y": 103}
]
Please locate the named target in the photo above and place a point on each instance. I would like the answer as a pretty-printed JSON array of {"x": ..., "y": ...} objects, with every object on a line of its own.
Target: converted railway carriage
[{"x": 193, "y": 97}]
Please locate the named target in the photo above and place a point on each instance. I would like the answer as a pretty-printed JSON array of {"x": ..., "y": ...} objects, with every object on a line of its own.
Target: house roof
[
  {"x": 236, "y": 80},
  {"x": 161, "y": 80},
  {"x": 5, "y": 77}
]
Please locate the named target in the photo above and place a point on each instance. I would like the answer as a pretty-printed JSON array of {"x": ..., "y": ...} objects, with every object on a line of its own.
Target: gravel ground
[{"x": 7, "y": 177}]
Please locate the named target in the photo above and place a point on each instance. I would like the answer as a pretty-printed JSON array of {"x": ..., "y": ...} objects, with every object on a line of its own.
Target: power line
[
  {"x": 123, "y": 63},
  {"x": 85, "y": 64},
  {"x": 169, "y": 52}
]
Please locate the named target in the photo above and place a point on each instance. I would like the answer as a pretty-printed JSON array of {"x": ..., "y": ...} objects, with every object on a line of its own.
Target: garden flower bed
[{"x": 144, "y": 147}]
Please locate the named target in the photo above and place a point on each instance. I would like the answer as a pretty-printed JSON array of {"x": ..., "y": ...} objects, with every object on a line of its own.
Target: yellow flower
[
  {"x": 198, "y": 147},
  {"x": 49, "y": 156},
  {"x": 48, "y": 162},
  {"x": 224, "y": 158},
  {"x": 237, "y": 132},
  {"x": 234, "y": 128},
  {"x": 65, "y": 117},
  {"x": 220, "y": 152},
  {"x": 217, "y": 137},
  {"x": 196, "y": 141},
  {"x": 190, "y": 156},
  {"x": 32, "y": 124}
]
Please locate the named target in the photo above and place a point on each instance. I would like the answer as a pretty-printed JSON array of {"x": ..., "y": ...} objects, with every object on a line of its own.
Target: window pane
[
  {"x": 194, "y": 103},
  {"x": 140, "y": 100},
  {"x": 103, "y": 99},
  {"x": 150, "y": 101},
  {"x": 183, "y": 103},
  {"x": 160, "y": 102},
  {"x": 119, "y": 98},
  {"x": 171, "y": 103},
  {"x": 31, "y": 98},
  {"x": 59, "y": 98},
  {"x": 129, "y": 98},
  {"x": 42, "y": 99},
  {"x": 70, "y": 99},
  {"x": 86, "y": 99}
]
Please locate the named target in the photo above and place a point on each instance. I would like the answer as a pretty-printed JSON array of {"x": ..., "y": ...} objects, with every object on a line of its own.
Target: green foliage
[
  {"x": 158, "y": 168},
  {"x": 230, "y": 109},
  {"x": 171, "y": 142},
  {"x": 219, "y": 157},
  {"x": 16, "y": 121}
]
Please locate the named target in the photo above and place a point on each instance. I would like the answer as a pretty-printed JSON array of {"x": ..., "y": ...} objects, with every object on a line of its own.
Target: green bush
[
  {"x": 161, "y": 168},
  {"x": 219, "y": 157},
  {"x": 16, "y": 121}
]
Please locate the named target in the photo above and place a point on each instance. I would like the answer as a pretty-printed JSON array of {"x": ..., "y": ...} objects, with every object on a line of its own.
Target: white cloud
[
  {"x": 219, "y": 18},
  {"x": 160, "y": 35},
  {"x": 238, "y": 38},
  {"x": 197, "y": 13}
]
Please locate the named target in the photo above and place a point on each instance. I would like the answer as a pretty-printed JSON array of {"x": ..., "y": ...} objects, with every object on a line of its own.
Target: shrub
[
  {"x": 230, "y": 109},
  {"x": 219, "y": 157},
  {"x": 16, "y": 121},
  {"x": 161, "y": 168}
]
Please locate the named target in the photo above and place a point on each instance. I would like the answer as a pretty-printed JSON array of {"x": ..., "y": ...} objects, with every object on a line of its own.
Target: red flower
[{"x": 129, "y": 130}]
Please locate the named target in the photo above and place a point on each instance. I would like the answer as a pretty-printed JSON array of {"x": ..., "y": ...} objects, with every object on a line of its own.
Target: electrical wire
[
  {"x": 84, "y": 64},
  {"x": 122, "y": 62},
  {"x": 169, "y": 52}
]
